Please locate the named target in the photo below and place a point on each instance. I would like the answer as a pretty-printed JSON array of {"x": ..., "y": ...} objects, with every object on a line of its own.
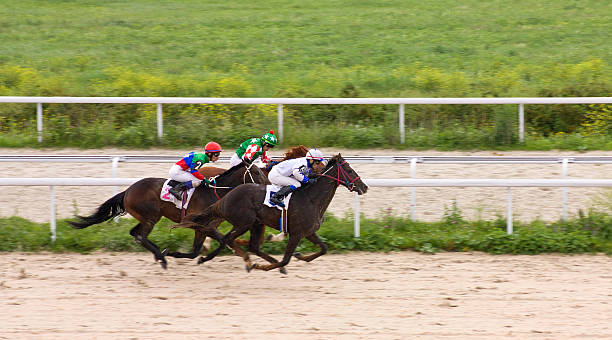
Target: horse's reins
[
  {"x": 214, "y": 180},
  {"x": 350, "y": 185}
]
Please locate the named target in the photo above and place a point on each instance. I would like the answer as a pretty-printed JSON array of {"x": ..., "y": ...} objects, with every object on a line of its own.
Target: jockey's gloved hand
[
  {"x": 247, "y": 161},
  {"x": 312, "y": 180},
  {"x": 206, "y": 182}
]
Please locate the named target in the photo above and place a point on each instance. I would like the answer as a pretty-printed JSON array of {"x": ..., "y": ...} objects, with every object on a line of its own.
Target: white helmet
[{"x": 315, "y": 153}]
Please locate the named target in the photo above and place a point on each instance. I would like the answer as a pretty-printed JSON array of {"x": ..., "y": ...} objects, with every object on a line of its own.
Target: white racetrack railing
[
  {"x": 159, "y": 101},
  {"x": 506, "y": 183}
]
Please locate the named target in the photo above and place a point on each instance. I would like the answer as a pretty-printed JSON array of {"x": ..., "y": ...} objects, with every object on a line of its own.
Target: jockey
[
  {"x": 251, "y": 149},
  {"x": 186, "y": 169},
  {"x": 293, "y": 173}
]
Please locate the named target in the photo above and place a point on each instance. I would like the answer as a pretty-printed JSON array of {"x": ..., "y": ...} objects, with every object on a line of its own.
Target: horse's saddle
[
  {"x": 165, "y": 195},
  {"x": 271, "y": 190}
]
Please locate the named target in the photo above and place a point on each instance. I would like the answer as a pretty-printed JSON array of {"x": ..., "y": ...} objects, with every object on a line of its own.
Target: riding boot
[
  {"x": 279, "y": 196},
  {"x": 177, "y": 190}
]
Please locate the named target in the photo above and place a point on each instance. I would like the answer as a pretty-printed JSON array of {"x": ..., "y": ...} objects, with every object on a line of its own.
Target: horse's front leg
[
  {"x": 314, "y": 238},
  {"x": 257, "y": 238},
  {"x": 291, "y": 245}
]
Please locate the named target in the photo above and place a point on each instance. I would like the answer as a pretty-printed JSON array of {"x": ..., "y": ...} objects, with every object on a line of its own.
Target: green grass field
[{"x": 317, "y": 45}]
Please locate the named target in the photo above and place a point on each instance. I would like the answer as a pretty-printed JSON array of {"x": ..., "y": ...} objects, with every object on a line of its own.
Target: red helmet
[{"x": 212, "y": 147}]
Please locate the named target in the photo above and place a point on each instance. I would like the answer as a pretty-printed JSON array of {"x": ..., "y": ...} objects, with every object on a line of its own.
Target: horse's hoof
[
  {"x": 164, "y": 264},
  {"x": 297, "y": 255},
  {"x": 201, "y": 260},
  {"x": 249, "y": 267},
  {"x": 283, "y": 270}
]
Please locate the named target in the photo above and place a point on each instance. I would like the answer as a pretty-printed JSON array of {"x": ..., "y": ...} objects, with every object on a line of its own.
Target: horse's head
[{"x": 340, "y": 170}]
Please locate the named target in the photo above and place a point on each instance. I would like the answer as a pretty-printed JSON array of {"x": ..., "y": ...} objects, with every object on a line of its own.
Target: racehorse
[
  {"x": 243, "y": 209},
  {"x": 142, "y": 201}
]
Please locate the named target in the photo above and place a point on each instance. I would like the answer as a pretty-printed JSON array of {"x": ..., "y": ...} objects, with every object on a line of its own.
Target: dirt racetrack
[
  {"x": 486, "y": 203},
  {"x": 403, "y": 295}
]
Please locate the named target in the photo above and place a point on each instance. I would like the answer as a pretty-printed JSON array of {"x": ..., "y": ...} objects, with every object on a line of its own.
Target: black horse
[
  {"x": 142, "y": 201},
  {"x": 243, "y": 208}
]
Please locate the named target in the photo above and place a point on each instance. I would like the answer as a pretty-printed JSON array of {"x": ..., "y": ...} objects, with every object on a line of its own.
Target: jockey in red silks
[
  {"x": 293, "y": 173},
  {"x": 251, "y": 149},
  {"x": 185, "y": 171}
]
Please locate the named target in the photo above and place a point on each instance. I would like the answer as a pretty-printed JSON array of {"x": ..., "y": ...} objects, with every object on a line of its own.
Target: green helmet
[{"x": 270, "y": 138}]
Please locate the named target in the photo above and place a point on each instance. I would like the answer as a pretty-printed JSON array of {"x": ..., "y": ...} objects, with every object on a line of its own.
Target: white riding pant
[
  {"x": 178, "y": 174},
  {"x": 235, "y": 160},
  {"x": 277, "y": 179}
]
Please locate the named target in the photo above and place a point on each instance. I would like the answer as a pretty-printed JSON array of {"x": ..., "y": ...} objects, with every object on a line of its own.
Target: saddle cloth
[
  {"x": 270, "y": 190},
  {"x": 165, "y": 195}
]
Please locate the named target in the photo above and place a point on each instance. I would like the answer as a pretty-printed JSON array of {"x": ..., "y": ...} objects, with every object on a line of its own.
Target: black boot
[
  {"x": 177, "y": 190},
  {"x": 279, "y": 196}
]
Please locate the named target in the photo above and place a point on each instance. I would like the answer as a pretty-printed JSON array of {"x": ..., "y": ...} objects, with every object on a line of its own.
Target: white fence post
[
  {"x": 509, "y": 211},
  {"x": 115, "y": 189},
  {"x": 39, "y": 121},
  {"x": 521, "y": 123},
  {"x": 356, "y": 226},
  {"x": 160, "y": 122},
  {"x": 53, "y": 223},
  {"x": 413, "y": 190},
  {"x": 280, "y": 122},
  {"x": 401, "y": 124},
  {"x": 564, "y": 190}
]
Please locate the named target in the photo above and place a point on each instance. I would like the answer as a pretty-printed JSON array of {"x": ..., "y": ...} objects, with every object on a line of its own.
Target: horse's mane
[
  {"x": 292, "y": 153},
  {"x": 295, "y": 152}
]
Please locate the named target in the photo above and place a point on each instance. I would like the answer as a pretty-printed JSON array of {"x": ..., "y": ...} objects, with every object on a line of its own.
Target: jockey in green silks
[{"x": 254, "y": 148}]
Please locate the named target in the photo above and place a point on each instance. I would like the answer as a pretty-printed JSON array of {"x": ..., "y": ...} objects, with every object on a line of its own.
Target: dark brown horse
[
  {"x": 142, "y": 201},
  {"x": 243, "y": 208}
]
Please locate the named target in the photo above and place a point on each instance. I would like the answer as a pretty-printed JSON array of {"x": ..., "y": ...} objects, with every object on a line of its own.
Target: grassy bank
[{"x": 586, "y": 233}]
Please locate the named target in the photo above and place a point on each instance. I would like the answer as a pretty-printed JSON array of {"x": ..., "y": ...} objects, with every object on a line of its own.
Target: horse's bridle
[{"x": 342, "y": 177}]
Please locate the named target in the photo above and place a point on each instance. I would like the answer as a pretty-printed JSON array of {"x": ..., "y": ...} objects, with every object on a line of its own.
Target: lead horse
[
  {"x": 244, "y": 209},
  {"x": 142, "y": 201}
]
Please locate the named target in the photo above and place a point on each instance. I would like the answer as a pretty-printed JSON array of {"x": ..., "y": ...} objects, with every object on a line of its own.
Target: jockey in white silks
[{"x": 293, "y": 173}]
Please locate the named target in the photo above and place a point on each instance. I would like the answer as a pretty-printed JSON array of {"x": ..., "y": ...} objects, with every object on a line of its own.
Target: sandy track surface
[
  {"x": 404, "y": 295},
  {"x": 487, "y": 203}
]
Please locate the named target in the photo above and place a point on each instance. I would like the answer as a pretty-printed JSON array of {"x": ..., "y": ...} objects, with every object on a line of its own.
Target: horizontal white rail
[
  {"x": 67, "y": 181},
  {"x": 459, "y": 182},
  {"x": 289, "y": 101},
  {"x": 380, "y": 182},
  {"x": 453, "y": 182}
]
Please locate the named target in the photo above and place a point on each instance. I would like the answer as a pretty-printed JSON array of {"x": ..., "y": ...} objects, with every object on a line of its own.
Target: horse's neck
[{"x": 322, "y": 192}]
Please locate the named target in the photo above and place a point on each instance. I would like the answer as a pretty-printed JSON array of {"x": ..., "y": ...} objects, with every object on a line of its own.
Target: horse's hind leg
[
  {"x": 140, "y": 233},
  {"x": 314, "y": 238},
  {"x": 198, "y": 241},
  {"x": 229, "y": 240}
]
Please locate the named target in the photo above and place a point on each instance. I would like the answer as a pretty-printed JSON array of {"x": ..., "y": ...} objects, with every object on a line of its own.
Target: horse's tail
[{"x": 109, "y": 209}]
